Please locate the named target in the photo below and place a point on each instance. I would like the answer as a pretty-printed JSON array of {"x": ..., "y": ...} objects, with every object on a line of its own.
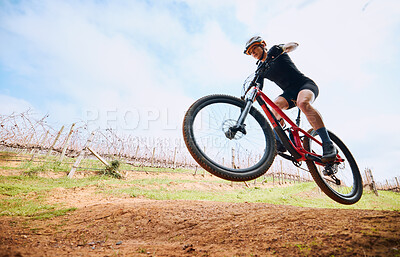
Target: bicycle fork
[{"x": 240, "y": 126}]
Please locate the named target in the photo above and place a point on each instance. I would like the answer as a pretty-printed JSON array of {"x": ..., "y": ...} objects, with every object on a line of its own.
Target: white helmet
[{"x": 257, "y": 40}]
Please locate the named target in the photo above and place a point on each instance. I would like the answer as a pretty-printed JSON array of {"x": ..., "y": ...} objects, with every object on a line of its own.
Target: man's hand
[{"x": 290, "y": 47}]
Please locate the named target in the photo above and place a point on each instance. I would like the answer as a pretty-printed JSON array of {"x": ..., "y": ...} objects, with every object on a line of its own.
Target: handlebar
[
  {"x": 265, "y": 65},
  {"x": 260, "y": 69}
]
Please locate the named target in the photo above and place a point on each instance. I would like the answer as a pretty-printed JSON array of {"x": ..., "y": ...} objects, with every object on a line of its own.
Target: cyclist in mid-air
[{"x": 297, "y": 89}]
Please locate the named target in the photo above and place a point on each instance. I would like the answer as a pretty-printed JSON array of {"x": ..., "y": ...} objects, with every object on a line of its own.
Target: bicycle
[{"x": 231, "y": 139}]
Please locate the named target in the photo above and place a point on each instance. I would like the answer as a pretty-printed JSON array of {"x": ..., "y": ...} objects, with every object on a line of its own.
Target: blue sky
[{"x": 136, "y": 66}]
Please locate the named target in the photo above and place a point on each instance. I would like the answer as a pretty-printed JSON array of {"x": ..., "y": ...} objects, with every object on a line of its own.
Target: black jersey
[{"x": 282, "y": 70}]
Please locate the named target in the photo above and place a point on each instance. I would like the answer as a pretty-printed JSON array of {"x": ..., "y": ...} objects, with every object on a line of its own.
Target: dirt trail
[
  {"x": 105, "y": 225},
  {"x": 139, "y": 227}
]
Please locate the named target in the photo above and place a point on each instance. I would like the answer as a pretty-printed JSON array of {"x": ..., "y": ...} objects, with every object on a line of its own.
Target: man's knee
[
  {"x": 281, "y": 103},
  {"x": 304, "y": 106},
  {"x": 304, "y": 100}
]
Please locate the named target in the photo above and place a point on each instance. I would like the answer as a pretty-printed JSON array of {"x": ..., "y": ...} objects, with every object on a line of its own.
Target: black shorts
[{"x": 290, "y": 94}]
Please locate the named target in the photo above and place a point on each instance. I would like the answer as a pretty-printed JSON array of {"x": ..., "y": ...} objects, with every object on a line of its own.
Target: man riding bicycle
[{"x": 297, "y": 88}]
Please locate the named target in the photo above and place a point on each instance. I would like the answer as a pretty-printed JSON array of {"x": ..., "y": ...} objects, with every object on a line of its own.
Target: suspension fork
[
  {"x": 245, "y": 112},
  {"x": 240, "y": 126}
]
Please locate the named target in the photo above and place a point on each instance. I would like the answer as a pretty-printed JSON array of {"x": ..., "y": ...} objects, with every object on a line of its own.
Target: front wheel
[
  {"x": 244, "y": 155},
  {"x": 340, "y": 180}
]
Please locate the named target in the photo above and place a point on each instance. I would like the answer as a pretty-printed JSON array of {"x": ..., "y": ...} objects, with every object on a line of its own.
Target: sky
[{"x": 136, "y": 66}]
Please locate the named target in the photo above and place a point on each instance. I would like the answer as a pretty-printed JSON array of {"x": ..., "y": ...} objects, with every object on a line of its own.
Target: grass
[
  {"x": 26, "y": 195},
  {"x": 15, "y": 185},
  {"x": 292, "y": 195},
  {"x": 51, "y": 163},
  {"x": 21, "y": 206}
]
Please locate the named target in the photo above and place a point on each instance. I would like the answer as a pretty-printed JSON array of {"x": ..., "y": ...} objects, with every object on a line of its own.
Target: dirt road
[{"x": 108, "y": 225}]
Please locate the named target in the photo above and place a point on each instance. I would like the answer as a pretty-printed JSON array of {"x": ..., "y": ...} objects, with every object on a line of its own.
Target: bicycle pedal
[{"x": 330, "y": 169}]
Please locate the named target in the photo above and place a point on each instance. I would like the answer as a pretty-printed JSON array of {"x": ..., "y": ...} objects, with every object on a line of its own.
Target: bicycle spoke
[
  {"x": 210, "y": 123},
  {"x": 338, "y": 176},
  {"x": 221, "y": 147}
]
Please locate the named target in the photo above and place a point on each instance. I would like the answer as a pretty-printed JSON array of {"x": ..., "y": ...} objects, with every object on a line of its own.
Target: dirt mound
[{"x": 139, "y": 227}]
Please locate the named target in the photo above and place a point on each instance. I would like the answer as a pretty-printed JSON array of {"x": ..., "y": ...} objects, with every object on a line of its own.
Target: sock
[{"x": 323, "y": 133}]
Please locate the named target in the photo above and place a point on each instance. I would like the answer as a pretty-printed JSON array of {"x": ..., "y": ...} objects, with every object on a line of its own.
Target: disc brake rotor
[{"x": 227, "y": 125}]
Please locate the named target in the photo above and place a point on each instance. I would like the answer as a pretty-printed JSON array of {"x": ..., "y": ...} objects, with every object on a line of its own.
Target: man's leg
[
  {"x": 283, "y": 105},
  {"x": 304, "y": 101}
]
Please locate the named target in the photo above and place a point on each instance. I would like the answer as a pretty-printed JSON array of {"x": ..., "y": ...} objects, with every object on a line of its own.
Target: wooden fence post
[
  {"x": 41, "y": 145},
  {"x": 98, "y": 156},
  {"x": 152, "y": 156},
  {"x": 233, "y": 159},
  {"x": 55, "y": 141},
  {"x": 367, "y": 177},
  {"x": 81, "y": 155},
  {"x": 174, "y": 162},
  {"x": 27, "y": 144},
  {"x": 137, "y": 151},
  {"x": 298, "y": 175},
  {"x": 66, "y": 142},
  {"x": 373, "y": 185}
]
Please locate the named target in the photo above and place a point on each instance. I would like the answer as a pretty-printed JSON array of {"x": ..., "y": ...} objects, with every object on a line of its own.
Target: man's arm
[{"x": 289, "y": 47}]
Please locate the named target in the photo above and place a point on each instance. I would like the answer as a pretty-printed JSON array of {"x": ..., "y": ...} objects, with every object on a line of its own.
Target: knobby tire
[
  {"x": 357, "y": 190},
  {"x": 207, "y": 162}
]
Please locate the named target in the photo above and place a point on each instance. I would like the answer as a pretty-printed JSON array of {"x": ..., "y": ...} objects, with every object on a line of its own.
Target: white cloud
[
  {"x": 336, "y": 38},
  {"x": 9, "y": 105},
  {"x": 144, "y": 61},
  {"x": 214, "y": 61},
  {"x": 343, "y": 44},
  {"x": 97, "y": 69}
]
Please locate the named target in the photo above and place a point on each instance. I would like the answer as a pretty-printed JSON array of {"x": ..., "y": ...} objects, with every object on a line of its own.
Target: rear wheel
[
  {"x": 243, "y": 156},
  {"x": 341, "y": 181}
]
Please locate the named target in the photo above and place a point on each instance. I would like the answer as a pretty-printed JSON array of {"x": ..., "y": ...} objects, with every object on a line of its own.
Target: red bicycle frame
[{"x": 297, "y": 150}]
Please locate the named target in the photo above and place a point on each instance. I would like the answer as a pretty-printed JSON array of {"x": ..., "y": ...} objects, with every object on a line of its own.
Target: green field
[{"x": 27, "y": 194}]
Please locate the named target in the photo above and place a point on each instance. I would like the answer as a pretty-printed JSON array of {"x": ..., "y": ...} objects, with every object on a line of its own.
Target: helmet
[{"x": 257, "y": 40}]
